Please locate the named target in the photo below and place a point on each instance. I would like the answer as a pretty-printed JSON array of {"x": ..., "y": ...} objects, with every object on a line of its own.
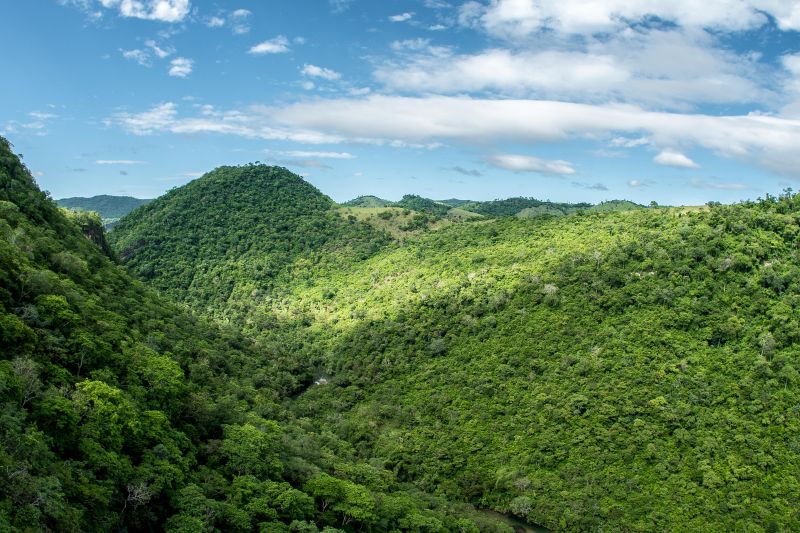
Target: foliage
[
  {"x": 236, "y": 235},
  {"x": 612, "y": 368},
  {"x": 512, "y": 206},
  {"x": 122, "y": 411}
]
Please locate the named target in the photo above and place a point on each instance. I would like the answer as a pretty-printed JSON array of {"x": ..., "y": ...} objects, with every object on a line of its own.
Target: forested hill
[
  {"x": 622, "y": 371},
  {"x": 519, "y": 206},
  {"x": 234, "y": 234},
  {"x": 120, "y": 411},
  {"x": 110, "y": 208},
  {"x": 631, "y": 370},
  {"x": 368, "y": 201}
]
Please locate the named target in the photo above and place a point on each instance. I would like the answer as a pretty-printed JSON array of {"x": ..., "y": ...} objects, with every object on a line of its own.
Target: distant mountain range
[
  {"x": 519, "y": 206},
  {"x": 110, "y": 208}
]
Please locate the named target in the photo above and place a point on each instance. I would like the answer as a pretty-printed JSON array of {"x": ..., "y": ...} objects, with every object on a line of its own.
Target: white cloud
[
  {"x": 278, "y": 45},
  {"x": 319, "y": 155},
  {"x": 252, "y": 123},
  {"x": 505, "y": 71},
  {"x": 161, "y": 10},
  {"x": 402, "y": 17},
  {"x": 768, "y": 141},
  {"x": 640, "y": 183},
  {"x": 671, "y": 158},
  {"x": 118, "y": 162},
  {"x": 524, "y": 163},
  {"x": 180, "y": 67},
  {"x": 668, "y": 69},
  {"x": 320, "y": 72},
  {"x": 515, "y": 19},
  {"x": 144, "y": 57},
  {"x": 308, "y": 85}
]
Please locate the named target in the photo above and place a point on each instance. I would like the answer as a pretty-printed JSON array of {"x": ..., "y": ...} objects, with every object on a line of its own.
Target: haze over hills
[
  {"x": 599, "y": 369},
  {"x": 110, "y": 208}
]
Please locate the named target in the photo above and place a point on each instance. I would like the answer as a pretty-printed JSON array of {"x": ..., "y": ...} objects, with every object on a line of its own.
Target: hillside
[
  {"x": 513, "y": 206},
  {"x": 235, "y": 234},
  {"x": 613, "y": 368},
  {"x": 122, "y": 411},
  {"x": 367, "y": 201},
  {"x": 634, "y": 369},
  {"x": 110, "y": 208}
]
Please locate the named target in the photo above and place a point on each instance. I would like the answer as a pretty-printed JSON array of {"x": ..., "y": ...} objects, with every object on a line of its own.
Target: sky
[{"x": 566, "y": 100}]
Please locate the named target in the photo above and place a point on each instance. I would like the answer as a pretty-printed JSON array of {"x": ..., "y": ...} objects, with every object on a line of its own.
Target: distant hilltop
[{"x": 110, "y": 208}]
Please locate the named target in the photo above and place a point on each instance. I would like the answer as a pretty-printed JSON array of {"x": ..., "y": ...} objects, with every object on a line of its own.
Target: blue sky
[{"x": 569, "y": 100}]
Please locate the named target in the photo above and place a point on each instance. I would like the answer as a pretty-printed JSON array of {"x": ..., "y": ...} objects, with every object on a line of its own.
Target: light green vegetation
[
  {"x": 401, "y": 223},
  {"x": 610, "y": 369},
  {"x": 120, "y": 410},
  {"x": 626, "y": 370}
]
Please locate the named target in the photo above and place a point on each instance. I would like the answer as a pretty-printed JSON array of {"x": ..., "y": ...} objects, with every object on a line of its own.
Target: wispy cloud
[
  {"x": 320, "y": 72},
  {"x": 720, "y": 186},
  {"x": 215, "y": 22},
  {"x": 465, "y": 171},
  {"x": 304, "y": 163},
  {"x": 524, "y": 163},
  {"x": 139, "y": 56},
  {"x": 36, "y": 124},
  {"x": 640, "y": 183},
  {"x": 319, "y": 155},
  {"x": 240, "y": 21},
  {"x": 340, "y": 6},
  {"x": 237, "y": 20},
  {"x": 163, "y": 118},
  {"x": 159, "y": 10},
  {"x": 590, "y": 186},
  {"x": 160, "y": 52},
  {"x": 118, "y": 162}
]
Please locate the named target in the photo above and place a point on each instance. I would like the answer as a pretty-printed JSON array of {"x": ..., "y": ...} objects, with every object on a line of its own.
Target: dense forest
[
  {"x": 124, "y": 411},
  {"x": 287, "y": 364}
]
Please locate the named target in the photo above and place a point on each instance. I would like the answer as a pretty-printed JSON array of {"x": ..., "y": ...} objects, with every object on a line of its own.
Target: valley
[{"x": 616, "y": 367}]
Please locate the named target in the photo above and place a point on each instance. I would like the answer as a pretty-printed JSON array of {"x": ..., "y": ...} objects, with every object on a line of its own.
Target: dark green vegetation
[
  {"x": 110, "y": 208},
  {"x": 238, "y": 235},
  {"x": 612, "y": 368},
  {"x": 122, "y": 411}
]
